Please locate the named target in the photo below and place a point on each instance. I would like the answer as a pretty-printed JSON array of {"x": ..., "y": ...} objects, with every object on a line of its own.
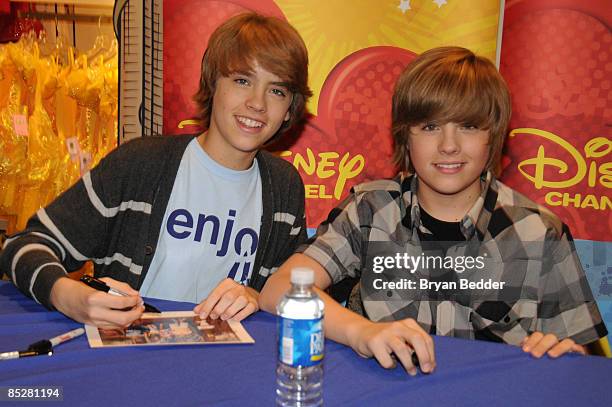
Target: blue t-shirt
[{"x": 210, "y": 230}]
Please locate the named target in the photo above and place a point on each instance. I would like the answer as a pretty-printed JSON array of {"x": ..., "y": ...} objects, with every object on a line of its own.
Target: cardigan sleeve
[{"x": 71, "y": 230}]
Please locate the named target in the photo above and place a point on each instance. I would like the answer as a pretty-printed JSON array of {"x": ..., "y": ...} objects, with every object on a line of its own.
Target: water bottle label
[{"x": 300, "y": 341}]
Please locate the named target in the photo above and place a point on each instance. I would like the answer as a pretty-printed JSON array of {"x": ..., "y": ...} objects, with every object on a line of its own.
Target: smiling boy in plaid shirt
[{"x": 451, "y": 110}]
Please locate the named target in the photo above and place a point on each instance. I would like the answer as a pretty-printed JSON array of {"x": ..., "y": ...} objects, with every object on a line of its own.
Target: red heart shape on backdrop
[
  {"x": 350, "y": 138},
  {"x": 557, "y": 65}
]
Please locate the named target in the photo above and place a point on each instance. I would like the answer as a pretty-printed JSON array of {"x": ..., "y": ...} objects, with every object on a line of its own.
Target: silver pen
[{"x": 44, "y": 347}]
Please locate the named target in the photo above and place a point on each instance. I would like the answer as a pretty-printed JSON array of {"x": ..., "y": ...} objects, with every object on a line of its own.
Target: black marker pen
[
  {"x": 102, "y": 286},
  {"x": 413, "y": 358}
]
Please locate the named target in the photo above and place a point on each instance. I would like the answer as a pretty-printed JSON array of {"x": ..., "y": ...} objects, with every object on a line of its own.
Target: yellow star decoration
[{"x": 334, "y": 30}]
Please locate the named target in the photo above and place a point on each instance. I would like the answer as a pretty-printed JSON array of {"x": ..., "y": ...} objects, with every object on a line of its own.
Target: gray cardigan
[{"x": 113, "y": 215}]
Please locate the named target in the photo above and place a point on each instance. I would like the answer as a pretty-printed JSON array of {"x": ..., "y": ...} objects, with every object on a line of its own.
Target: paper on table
[{"x": 170, "y": 328}]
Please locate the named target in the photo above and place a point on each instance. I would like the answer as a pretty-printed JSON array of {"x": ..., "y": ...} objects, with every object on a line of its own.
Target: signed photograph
[{"x": 170, "y": 328}]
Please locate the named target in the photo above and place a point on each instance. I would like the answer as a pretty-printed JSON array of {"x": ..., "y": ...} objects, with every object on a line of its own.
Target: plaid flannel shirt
[{"x": 546, "y": 288}]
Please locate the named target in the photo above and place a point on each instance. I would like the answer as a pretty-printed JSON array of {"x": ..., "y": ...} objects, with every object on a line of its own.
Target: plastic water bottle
[{"x": 299, "y": 370}]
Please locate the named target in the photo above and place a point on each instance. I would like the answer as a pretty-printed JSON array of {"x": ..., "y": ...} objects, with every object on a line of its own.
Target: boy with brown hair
[
  {"x": 451, "y": 110},
  {"x": 201, "y": 218}
]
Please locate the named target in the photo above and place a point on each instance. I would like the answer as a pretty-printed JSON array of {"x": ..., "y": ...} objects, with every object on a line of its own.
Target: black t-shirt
[
  {"x": 443, "y": 236},
  {"x": 442, "y": 231}
]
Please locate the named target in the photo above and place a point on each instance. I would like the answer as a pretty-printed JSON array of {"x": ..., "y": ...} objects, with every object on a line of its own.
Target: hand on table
[
  {"x": 84, "y": 304},
  {"x": 538, "y": 344},
  {"x": 401, "y": 338},
  {"x": 229, "y": 300}
]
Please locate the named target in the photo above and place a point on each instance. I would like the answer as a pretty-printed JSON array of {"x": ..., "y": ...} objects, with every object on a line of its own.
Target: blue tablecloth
[{"x": 470, "y": 373}]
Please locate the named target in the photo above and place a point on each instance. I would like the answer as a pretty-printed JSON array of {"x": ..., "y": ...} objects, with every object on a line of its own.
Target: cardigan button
[{"x": 148, "y": 250}]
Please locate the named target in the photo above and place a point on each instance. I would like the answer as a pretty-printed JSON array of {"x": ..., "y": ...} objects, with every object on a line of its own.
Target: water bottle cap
[{"x": 302, "y": 275}]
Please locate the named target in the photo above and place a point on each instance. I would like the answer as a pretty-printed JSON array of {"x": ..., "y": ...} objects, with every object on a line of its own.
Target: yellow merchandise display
[{"x": 56, "y": 121}]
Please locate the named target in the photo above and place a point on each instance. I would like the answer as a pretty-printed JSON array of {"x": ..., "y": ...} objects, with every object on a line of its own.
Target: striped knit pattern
[{"x": 113, "y": 215}]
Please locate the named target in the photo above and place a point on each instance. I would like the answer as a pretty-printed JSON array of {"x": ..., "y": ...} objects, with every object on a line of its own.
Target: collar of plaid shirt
[{"x": 475, "y": 220}]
